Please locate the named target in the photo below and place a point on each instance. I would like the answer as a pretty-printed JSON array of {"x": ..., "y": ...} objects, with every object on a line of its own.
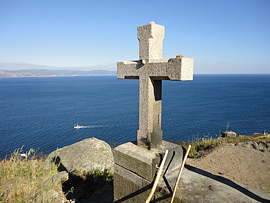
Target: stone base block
[
  {"x": 137, "y": 159},
  {"x": 144, "y": 162},
  {"x": 136, "y": 167},
  {"x": 130, "y": 188}
]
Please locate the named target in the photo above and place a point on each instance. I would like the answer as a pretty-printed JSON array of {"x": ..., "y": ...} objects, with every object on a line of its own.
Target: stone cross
[{"x": 151, "y": 69}]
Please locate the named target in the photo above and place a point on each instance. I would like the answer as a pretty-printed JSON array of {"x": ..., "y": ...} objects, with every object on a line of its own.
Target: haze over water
[{"x": 41, "y": 112}]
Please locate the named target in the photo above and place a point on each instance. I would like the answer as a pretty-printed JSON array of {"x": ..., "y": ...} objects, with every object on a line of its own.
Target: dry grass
[
  {"x": 248, "y": 138},
  {"x": 24, "y": 179},
  {"x": 203, "y": 146}
]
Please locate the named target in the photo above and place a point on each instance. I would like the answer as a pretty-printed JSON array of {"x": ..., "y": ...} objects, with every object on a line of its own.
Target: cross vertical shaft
[{"x": 149, "y": 134}]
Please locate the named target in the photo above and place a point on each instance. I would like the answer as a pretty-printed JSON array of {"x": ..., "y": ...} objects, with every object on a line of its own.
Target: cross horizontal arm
[
  {"x": 161, "y": 69},
  {"x": 128, "y": 69}
]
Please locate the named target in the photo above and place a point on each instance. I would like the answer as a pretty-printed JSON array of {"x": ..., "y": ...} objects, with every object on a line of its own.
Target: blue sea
[{"x": 40, "y": 113}]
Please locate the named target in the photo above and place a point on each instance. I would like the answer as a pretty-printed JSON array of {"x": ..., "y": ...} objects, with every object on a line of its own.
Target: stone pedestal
[{"x": 136, "y": 167}]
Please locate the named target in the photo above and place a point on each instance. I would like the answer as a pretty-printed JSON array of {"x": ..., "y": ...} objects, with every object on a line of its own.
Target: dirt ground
[{"x": 237, "y": 163}]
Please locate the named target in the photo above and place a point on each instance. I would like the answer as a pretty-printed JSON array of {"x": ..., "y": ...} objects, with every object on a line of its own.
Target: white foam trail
[{"x": 91, "y": 126}]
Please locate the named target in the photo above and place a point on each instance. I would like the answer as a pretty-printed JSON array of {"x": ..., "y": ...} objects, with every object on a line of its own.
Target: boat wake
[{"x": 88, "y": 126}]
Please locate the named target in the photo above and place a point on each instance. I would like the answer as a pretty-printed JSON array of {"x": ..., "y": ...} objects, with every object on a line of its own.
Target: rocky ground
[
  {"x": 246, "y": 163},
  {"x": 243, "y": 163}
]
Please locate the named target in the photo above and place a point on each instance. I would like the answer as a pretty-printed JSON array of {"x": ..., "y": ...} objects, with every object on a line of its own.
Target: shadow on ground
[
  {"x": 86, "y": 188},
  {"x": 95, "y": 187},
  {"x": 227, "y": 182}
]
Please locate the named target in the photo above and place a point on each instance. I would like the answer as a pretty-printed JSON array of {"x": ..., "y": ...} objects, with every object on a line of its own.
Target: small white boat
[{"x": 77, "y": 126}]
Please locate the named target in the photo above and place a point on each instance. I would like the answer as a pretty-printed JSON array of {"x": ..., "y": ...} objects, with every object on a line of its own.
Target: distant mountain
[
  {"x": 30, "y": 70},
  {"x": 20, "y": 66},
  {"x": 52, "y": 73},
  {"x": 23, "y": 66}
]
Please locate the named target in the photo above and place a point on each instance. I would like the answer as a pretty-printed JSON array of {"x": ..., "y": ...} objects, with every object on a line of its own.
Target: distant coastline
[
  {"x": 18, "y": 70},
  {"x": 52, "y": 73}
]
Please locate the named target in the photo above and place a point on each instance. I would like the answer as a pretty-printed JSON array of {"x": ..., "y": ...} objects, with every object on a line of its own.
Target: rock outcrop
[
  {"x": 84, "y": 156},
  {"x": 263, "y": 146},
  {"x": 228, "y": 134}
]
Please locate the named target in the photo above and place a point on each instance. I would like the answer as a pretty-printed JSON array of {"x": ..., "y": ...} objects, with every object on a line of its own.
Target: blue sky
[{"x": 231, "y": 36}]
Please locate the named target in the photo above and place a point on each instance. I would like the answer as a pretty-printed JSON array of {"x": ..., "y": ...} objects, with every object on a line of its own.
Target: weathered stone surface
[
  {"x": 134, "y": 188},
  {"x": 86, "y": 155},
  {"x": 59, "y": 177},
  {"x": 151, "y": 38},
  {"x": 197, "y": 185},
  {"x": 228, "y": 134},
  {"x": 151, "y": 70},
  {"x": 180, "y": 69},
  {"x": 263, "y": 146},
  {"x": 135, "y": 169},
  {"x": 126, "y": 190},
  {"x": 174, "y": 158},
  {"x": 254, "y": 145},
  {"x": 139, "y": 160},
  {"x": 129, "y": 175},
  {"x": 62, "y": 176},
  {"x": 249, "y": 145},
  {"x": 144, "y": 162},
  {"x": 136, "y": 165}
]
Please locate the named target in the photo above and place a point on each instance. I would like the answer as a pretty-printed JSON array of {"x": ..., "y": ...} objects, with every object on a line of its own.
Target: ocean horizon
[{"x": 40, "y": 113}]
